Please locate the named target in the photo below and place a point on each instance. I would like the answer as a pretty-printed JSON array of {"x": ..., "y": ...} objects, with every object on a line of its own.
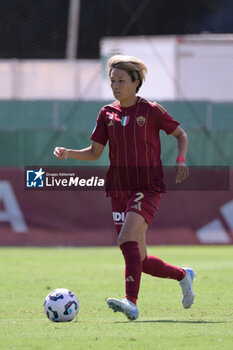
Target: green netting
[
  {"x": 205, "y": 149},
  {"x": 29, "y": 131}
]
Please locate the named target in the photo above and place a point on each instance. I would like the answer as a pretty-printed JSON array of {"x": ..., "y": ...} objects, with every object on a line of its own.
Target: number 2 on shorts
[{"x": 140, "y": 196}]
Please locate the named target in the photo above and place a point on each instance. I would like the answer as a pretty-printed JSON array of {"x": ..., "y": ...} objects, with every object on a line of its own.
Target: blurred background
[{"x": 54, "y": 80}]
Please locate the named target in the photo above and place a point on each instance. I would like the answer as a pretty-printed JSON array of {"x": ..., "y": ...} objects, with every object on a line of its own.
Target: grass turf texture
[{"x": 93, "y": 274}]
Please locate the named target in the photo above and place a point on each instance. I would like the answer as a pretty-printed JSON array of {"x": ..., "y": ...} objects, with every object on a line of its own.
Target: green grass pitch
[{"x": 94, "y": 274}]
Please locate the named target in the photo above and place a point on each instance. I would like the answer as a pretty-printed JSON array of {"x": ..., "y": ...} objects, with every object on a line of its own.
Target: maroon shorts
[{"x": 144, "y": 203}]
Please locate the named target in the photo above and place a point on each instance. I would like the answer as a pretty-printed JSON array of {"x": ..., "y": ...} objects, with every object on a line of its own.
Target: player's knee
[
  {"x": 127, "y": 237},
  {"x": 121, "y": 240}
]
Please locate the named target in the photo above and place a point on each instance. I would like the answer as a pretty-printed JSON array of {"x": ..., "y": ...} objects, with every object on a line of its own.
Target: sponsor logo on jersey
[
  {"x": 110, "y": 123},
  {"x": 141, "y": 120},
  {"x": 111, "y": 117}
]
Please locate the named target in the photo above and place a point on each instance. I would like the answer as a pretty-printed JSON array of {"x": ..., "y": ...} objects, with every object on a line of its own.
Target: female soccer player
[{"x": 134, "y": 180}]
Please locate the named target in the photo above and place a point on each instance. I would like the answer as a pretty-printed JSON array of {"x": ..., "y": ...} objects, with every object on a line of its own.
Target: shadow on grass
[{"x": 173, "y": 321}]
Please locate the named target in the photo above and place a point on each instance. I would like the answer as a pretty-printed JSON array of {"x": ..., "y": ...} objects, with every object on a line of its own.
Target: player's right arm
[{"x": 93, "y": 152}]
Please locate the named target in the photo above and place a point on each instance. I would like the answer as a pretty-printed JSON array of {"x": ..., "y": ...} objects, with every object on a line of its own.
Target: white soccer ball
[{"x": 61, "y": 305}]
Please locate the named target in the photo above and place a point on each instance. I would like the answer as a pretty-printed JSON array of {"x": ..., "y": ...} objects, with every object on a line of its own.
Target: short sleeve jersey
[{"x": 134, "y": 144}]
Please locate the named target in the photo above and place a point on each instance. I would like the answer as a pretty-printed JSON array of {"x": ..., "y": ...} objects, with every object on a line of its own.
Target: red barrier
[{"x": 74, "y": 218}]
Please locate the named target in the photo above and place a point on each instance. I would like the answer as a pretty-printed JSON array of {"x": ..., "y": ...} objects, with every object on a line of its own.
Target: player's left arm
[{"x": 182, "y": 171}]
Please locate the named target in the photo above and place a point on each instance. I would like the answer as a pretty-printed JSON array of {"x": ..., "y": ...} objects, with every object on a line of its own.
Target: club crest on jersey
[
  {"x": 125, "y": 121},
  {"x": 141, "y": 120}
]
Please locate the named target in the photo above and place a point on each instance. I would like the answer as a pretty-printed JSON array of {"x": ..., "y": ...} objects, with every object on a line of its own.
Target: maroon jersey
[{"x": 134, "y": 144}]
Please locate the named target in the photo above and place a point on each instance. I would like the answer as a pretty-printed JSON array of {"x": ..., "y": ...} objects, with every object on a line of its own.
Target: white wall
[
  {"x": 196, "y": 67},
  {"x": 192, "y": 67},
  {"x": 205, "y": 67},
  {"x": 159, "y": 55},
  {"x": 50, "y": 79}
]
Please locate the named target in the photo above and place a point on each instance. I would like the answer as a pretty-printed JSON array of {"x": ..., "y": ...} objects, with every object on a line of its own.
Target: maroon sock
[
  {"x": 133, "y": 269},
  {"x": 158, "y": 268}
]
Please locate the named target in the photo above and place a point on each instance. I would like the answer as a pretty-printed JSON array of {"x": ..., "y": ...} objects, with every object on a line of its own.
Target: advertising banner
[{"x": 44, "y": 206}]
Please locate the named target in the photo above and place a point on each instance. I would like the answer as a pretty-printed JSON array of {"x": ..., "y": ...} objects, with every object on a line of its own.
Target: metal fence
[{"x": 73, "y": 28}]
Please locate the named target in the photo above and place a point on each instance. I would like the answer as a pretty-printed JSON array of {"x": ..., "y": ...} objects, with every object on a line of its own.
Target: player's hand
[
  {"x": 61, "y": 152},
  {"x": 182, "y": 172}
]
